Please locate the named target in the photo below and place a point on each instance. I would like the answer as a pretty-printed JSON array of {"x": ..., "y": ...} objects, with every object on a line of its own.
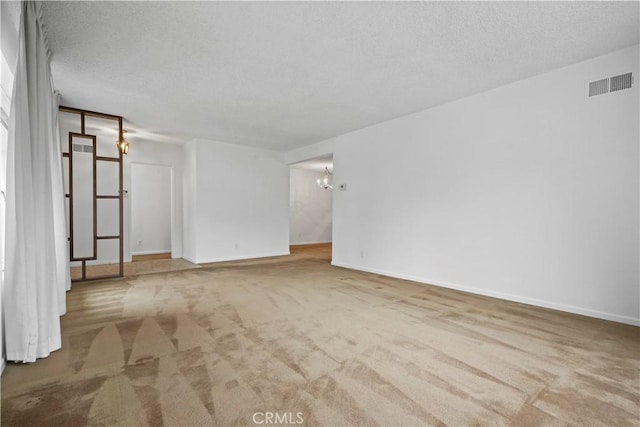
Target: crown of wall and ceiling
[{"x": 283, "y": 75}]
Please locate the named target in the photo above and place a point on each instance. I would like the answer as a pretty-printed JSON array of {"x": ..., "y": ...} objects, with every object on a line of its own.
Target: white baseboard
[
  {"x": 162, "y": 251},
  {"x": 525, "y": 300},
  {"x": 238, "y": 257}
]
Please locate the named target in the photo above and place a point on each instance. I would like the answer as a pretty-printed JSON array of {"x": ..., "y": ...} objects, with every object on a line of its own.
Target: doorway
[
  {"x": 150, "y": 198},
  {"x": 311, "y": 208}
]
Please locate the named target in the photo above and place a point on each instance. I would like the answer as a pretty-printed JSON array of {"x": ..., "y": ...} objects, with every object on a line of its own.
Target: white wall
[
  {"x": 241, "y": 203},
  {"x": 309, "y": 208},
  {"x": 158, "y": 154},
  {"x": 83, "y": 244},
  {"x": 141, "y": 152},
  {"x": 313, "y": 151},
  {"x": 105, "y": 132},
  {"x": 527, "y": 192},
  {"x": 150, "y": 196},
  {"x": 189, "y": 206}
]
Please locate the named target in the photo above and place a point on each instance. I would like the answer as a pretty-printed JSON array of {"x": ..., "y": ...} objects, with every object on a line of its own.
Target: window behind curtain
[{"x": 6, "y": 87}]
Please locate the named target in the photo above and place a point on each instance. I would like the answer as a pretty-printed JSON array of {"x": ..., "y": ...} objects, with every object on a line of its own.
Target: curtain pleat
[{"x": 36, "y": 266}]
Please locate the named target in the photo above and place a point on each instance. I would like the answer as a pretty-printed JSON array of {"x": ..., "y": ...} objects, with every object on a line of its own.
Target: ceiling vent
[{"x": 610, "y": 84}]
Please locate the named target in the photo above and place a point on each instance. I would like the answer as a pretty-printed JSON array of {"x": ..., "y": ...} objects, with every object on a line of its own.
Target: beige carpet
[
  {"x": 328, "y": 346},
  {"x": 135, "y": 268}
]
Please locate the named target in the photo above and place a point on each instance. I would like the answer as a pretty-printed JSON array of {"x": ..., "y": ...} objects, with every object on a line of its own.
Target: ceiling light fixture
[
  {"x": 123, "y": 144},
  {"x": 324, "y": 182}
]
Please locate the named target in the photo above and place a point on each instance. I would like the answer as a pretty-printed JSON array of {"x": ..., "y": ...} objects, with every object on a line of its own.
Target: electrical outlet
[{"x": 139, "y": 242}]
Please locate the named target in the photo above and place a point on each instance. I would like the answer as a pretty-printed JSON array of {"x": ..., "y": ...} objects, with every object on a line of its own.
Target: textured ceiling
[{"x": 281, "y": 75}]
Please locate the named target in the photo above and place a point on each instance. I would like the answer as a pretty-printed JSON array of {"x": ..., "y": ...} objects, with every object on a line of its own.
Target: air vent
[
  {"x": 599, "y": 87},
  {"x": 623, "y": 81},
  {"x": 610, "y": 84},
  {"x": 83, "y": 148}
]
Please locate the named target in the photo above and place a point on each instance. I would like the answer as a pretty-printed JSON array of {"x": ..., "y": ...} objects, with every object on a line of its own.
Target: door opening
[
  {"x": 150, "y": 198},
  {"x": 311, "y": 208}
]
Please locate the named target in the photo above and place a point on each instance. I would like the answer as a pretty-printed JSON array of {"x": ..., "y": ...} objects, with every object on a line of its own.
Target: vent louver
[
  {"x": 83, "y": 148},
  {"x": 610, "y": 84},
  {"x": 623, "y": 81},
  {"x": 599, "y": 87}
]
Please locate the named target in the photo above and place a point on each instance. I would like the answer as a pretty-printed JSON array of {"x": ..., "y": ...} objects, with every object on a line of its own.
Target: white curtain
[{"x": 37, "y": 266}]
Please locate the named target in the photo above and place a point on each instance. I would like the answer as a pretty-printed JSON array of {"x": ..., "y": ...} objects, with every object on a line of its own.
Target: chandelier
[{"x": 324, "y": 182}]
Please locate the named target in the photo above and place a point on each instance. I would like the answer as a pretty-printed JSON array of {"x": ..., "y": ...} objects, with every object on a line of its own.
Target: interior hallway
[{"x": 214, "y": 345}]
